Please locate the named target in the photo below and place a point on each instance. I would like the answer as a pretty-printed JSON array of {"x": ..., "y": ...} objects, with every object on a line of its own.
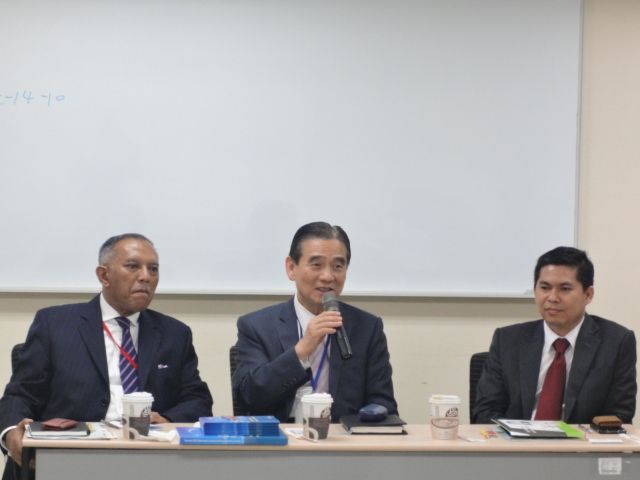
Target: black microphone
[{"x": 330, "y": 304}]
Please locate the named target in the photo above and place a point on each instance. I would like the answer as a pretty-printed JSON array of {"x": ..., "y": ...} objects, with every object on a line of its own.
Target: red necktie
[{"x": 552, "y": 394}]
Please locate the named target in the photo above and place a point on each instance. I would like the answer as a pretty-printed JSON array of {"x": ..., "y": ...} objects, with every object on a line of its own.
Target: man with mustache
[
  {"x": 570, "y": 365},
  {"x": 71, "y": 362}
]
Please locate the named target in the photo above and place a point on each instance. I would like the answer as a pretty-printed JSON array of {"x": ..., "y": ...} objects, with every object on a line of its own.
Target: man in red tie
[{"x": 570, "y": 365}]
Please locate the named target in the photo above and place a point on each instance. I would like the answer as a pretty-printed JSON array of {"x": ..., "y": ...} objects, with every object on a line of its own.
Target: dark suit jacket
[
  {"x": 602, "y": 380},
  {"x": 62, "y": 370},
  {"x": 269, "y": 372}
]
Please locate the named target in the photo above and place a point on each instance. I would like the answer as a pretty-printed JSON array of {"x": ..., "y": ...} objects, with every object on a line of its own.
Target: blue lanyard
[{"x": 314, "y": 379}]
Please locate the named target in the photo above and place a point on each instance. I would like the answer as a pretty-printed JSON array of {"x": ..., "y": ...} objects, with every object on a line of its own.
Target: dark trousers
[{"x": 13, "y": 472}]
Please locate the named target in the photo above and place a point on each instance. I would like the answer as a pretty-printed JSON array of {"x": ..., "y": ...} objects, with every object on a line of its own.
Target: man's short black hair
[
  {"x": 321, "y": 230},
  {"x": 569, "y": 257}
]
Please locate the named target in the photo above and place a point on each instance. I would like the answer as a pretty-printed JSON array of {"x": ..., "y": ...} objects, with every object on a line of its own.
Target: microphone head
[{"x": 330, "y": 302}]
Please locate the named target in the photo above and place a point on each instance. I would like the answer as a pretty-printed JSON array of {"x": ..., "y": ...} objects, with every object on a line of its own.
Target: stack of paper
[
  {"x": 258, "y": 425},
  {"x": 260, "y": 430},
  {"x": 539, "y": 429}
]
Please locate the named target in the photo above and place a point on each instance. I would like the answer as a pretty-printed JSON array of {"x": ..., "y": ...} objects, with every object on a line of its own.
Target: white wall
[{"x": 431, "y": 339}]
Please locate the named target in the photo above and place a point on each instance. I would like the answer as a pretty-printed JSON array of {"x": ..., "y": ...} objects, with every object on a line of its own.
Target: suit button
[{"x": 104, "y": 403}]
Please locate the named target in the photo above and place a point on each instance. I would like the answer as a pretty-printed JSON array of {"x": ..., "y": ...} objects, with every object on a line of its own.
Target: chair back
[
  {"x": 233, "y": 364},
  {"x": 475, "y": 370},
  {"x": 15, "y": 355}
]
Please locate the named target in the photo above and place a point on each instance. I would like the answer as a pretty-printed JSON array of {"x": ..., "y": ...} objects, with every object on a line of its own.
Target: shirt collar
[
  {"x": 110, "y": 313},
  {"x": 304, "y": 315},
  {"x": 550, "y": 336}
]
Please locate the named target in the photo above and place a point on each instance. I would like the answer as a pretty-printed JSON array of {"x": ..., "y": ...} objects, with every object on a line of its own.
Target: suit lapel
[
  {"x": 288, "y": 329},
  {"x": 529, "y": 362},
  {"x": 288, "y": 332},
  {"x": 149, "y": 338},
  {"x": 335, "y": 360},
  {"x": 587, "y": 345},
  {"x": 92, "y": 334}
]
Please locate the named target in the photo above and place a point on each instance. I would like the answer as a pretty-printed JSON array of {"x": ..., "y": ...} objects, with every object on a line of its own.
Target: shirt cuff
[
  {"x": 306, "y": 364},
  {"x": 2, "y": 435}
]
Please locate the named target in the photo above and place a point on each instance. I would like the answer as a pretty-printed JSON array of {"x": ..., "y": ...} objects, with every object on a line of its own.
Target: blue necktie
[
  {"x": 128, "y": 374},
  {"x": 316, "y": 359}
]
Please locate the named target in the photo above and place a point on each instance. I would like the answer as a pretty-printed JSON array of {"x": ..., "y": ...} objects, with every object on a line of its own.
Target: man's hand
[
  {"x": 157, "y": 418},
  {"x": 324, "y": 324},
  {"x": 13, "y": 440}
]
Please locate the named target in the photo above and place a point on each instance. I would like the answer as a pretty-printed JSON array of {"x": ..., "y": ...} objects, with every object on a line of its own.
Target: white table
[{"x": 342, "y": 456}]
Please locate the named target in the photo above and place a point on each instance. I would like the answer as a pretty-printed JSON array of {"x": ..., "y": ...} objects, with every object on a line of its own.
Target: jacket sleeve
[
  {"x": 379, "y": 387},
  {"x": 28, "y": 389},
  {"x": 266, "y": 379},
  {"x": 621, "y": 400},
  {"x": 193, "y": 398}
]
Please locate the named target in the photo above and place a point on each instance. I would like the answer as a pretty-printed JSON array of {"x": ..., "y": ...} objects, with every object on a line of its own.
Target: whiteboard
[{"x": 441, "y": 134}]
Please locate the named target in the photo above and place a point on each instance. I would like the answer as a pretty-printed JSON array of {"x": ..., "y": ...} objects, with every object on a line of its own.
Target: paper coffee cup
[
  {"x": 297, "y": 402},
  {"x": 445, "y": 416},
  {"x": 316, "y": 415},
  {"x": 136, "y": 414}
]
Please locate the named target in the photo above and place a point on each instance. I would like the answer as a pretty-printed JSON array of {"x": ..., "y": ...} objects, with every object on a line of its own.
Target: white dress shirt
[
  {"x": 304, "y": 317},
  {"x": 109, "y": 315},
  {"x": 549, "y": 353}
]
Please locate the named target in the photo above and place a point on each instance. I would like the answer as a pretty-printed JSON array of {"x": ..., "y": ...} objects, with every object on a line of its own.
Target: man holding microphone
[{"x": 287, "y": 349}]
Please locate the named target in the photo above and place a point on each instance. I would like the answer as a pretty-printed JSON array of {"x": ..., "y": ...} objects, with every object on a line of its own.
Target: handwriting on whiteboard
[{"x": 27, "y": 97}]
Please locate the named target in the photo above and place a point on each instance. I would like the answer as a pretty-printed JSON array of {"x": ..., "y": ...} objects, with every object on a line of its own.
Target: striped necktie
[{"x": 128, "y": 374}]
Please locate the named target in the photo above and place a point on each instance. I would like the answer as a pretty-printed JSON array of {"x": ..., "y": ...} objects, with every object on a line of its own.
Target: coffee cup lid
[
  {"x": 138, "y": 397},
  {"x": 317, "y": 398},
  {"x": 445, "y": 399}
]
